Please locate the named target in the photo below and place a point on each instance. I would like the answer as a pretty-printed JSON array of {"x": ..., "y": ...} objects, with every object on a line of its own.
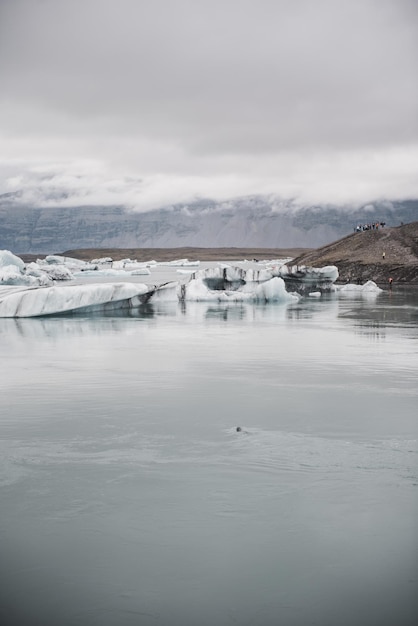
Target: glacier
[{"x": 39, "y": 289}]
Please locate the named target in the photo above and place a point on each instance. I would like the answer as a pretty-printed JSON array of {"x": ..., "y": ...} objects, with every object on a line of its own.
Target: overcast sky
[{"x": 151, "y": 102}]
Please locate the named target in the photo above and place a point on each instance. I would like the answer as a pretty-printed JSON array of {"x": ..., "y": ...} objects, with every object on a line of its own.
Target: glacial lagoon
[{"x": 129, "y": 498}]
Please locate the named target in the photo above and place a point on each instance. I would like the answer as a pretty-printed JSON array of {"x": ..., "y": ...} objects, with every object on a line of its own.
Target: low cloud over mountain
[{"x": 252, "y": 221}]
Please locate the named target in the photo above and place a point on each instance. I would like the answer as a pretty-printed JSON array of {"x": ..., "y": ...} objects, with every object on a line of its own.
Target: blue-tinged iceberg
[
  {"x": 233, "y": 284},
  {"x": 35, "y": 302},
  {"x": 304, "y": 279}
]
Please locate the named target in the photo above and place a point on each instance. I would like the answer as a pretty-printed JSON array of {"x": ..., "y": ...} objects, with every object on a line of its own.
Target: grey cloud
[{"x": 208, "y": 80}]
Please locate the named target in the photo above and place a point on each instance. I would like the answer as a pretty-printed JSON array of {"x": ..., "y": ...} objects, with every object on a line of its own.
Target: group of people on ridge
[{"x": 372, "y": 226}]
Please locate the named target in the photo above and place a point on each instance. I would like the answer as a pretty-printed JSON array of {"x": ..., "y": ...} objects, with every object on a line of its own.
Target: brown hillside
[{"x": 371, "y": 255}]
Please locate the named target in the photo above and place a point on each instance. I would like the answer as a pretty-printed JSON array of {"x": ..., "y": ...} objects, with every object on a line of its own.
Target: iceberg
[
  {"x": 225, "y": 285},
  {"x": 32, "y": 291},
  {"x": 181, "y": 263},
  {"x": 14, "y": 272},
  {"x": 105, "y": 260},
  {"x": 35, "y": 302},
  {"x": 12, "y": 276},
  {"x": 55, "y": 259},
  {"x": 369, "y": 289},
  {"x": 141, "y": 271},
  {"x": 54, "y": 272},
  {"x": 8, "y": 259},
  {"x": 306, "y": 280},
  {"x": 234, "y": 284}
]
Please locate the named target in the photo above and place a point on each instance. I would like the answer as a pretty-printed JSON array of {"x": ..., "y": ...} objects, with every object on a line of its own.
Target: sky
[{"x": 147, "y": 103}]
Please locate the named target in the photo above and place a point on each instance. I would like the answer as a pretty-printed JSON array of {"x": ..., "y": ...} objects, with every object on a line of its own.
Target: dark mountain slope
[{"x": 371, "y": 255}]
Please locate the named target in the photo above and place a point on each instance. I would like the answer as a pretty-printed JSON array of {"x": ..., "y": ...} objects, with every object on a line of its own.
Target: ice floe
[
  {"x": 368, "y": 289},
  {"x": 32, "y": 290},
  {"x": 34, "y": 302}
]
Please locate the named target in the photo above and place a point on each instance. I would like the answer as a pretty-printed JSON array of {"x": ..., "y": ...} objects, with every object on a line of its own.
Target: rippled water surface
[{"x": 128, "y": 497}]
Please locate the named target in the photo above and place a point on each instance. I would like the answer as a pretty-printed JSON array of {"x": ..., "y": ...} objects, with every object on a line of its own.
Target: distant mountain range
[{"x": 249, "y": 222}]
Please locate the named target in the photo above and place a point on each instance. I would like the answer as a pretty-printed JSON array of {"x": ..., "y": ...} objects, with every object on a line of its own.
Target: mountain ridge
[{"x": 247, "y": 222}]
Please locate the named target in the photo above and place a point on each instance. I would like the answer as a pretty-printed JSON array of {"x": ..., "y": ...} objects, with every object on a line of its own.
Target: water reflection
[
  {"x": 367, "y": 317},
  {"x": 226, "y": 313},
  {"x": 128, "y": 497},
  {"x": 371, "y": 329}
]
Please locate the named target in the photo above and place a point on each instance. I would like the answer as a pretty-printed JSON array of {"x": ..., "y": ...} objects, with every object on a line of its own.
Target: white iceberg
[
  {"x": 56, "y": 259},
  {"x": 368, "y": 289},
  {"x": 54, "y": 300},
  {"x": 180, "y": 263},
  {"x": 106, "y": 260},
  {"x": 14, "y": 272},
  {"x": 11, "y": 275},
  {"x": 55, "y": 272},
  {"x": 8, "y": 259}
]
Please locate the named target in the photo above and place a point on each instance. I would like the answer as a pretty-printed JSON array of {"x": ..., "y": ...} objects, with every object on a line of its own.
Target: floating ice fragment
[
  {"x": 106, "y": 260},
  {"x": 14, "y": 272},
  {"x": 58, "y": 272},
  {"x": 11, "y": 275},
  {"x": 141, "y": 271},
  {"x": 181, "y": 263},
  {"x": 55, "y": 259},
  {"x": 368, "y": 289},
  {"x": 8, "y": 259}
]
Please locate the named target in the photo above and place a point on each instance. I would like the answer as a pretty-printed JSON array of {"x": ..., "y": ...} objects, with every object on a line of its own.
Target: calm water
[{"x": 128, "y": 497}]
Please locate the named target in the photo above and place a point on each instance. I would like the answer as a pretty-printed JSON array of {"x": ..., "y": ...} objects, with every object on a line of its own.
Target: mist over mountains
[{"x": 255, "y": 221}]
